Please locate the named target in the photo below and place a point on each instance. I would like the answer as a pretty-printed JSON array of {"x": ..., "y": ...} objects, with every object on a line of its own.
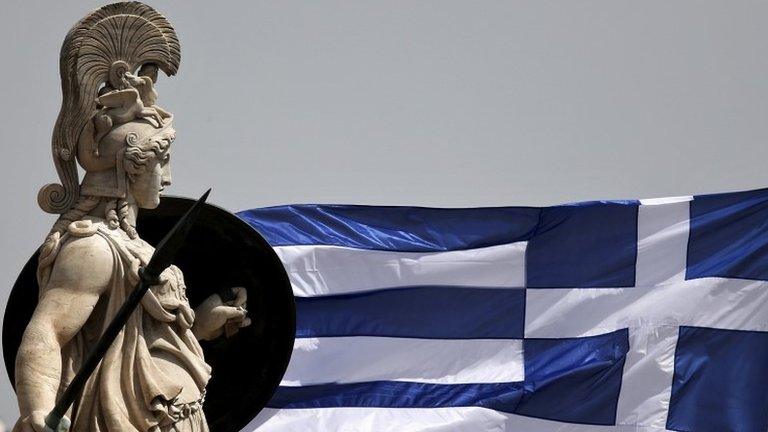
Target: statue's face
[{"x": 147, "y": 185}]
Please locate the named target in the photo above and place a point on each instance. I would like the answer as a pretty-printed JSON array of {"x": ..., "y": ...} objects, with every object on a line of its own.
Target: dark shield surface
[{"x": 221, "y": 251}]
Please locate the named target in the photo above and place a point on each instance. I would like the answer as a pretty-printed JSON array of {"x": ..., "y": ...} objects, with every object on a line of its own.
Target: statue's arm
[
  {"x": 80, "y": 274},
  {"x": 214, "y": 314}
]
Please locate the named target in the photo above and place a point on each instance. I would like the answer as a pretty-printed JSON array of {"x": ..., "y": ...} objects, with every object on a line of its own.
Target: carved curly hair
[{"x": 140, "y": 152}]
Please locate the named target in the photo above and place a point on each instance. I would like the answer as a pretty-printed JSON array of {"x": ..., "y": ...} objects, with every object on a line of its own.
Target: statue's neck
[{"x": 100, "y": 211}]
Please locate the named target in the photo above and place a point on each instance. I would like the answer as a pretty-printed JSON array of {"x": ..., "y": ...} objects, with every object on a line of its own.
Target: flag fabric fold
[{"x": 641, "y": 316}]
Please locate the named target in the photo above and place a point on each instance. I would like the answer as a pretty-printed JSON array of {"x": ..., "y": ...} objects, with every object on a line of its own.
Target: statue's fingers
[
  {"x": 245, "y": 322},
  {"x": 231, "y": 312},
  {"x": 241, "y": 296}
]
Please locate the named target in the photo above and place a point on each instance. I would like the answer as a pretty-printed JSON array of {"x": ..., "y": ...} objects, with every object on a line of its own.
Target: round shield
[{"x": 221, "y": 251}]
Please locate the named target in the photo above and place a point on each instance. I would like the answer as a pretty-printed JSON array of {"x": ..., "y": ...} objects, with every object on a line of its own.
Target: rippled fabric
[
  {"x": 403, "y": 229},
  {"x": 620, "y": 316}
]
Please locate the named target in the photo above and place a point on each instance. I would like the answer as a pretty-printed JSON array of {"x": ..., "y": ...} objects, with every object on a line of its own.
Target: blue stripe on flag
[
  {"x": 397, "y": 394},
  {"x": 426, "y": 312},
  {"x": 574, "y": 379},
  {"x": 407, "y": 229}
]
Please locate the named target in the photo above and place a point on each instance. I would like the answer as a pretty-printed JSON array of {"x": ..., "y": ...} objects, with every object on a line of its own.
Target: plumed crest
[{"x": 98, "y": 50}]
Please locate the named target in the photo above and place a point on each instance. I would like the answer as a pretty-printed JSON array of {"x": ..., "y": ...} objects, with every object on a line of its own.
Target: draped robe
[{"x": 153, "y": 377}]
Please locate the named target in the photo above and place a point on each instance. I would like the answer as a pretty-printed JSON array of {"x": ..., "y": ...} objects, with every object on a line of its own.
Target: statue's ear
[{"x": 149, "y": 70}]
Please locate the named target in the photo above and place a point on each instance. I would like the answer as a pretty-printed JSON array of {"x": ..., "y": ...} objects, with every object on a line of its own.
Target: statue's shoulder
[{"x": 85, "y": 257}]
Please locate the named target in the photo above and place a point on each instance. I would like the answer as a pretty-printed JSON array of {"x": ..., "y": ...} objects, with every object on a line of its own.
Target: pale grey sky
[{"x": 436, "y": 103}]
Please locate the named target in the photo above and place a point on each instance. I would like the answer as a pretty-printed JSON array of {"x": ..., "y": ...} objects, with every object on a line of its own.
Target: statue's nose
[{"x": 166, "y": 180}]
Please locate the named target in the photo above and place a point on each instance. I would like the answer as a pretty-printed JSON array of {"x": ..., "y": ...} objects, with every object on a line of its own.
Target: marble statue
[{"x": 153, "y": 377}]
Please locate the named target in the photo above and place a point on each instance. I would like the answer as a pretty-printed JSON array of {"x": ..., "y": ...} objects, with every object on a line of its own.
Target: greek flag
[{"x": 631, "y": 316}]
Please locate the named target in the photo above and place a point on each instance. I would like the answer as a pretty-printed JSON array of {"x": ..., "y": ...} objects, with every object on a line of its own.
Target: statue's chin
[{"x": 148, "y": 204}]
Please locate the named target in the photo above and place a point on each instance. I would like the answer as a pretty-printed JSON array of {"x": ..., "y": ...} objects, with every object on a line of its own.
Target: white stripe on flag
[
  {"x": 459, "y": 419},
  {"x": 324, "y": 270},
  {"x": 438, "y": 361},
  {"x": 557, "y": 313}
]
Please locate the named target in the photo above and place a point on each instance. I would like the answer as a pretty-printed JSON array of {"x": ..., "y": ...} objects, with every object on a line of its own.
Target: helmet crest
[{"x": 101, "y": 53}]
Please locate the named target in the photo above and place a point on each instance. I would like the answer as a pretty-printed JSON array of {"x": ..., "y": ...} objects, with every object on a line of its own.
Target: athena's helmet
[{"x": 108, "y": 65}]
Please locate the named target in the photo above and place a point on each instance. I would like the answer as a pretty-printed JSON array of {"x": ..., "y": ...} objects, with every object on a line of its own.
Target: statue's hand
[
  {"x": 213, "y": 315},
  {"x": 35, "y": 422}
]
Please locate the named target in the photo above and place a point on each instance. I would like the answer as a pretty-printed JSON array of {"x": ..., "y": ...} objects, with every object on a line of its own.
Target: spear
[{"x": 149, "y": 275}]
